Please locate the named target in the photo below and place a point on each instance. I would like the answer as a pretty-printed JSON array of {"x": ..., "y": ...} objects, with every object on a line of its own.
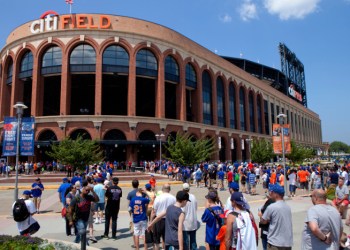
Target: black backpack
[{"x": 20, "y": 211}]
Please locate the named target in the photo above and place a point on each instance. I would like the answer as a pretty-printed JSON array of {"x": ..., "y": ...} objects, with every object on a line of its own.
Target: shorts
[
  {"x": 304, "y": 185},
  {"x": 159, "y": 231},
  {"x": 140, "y": 228},
  {"x": 258, "y": 177},
  {"x": 32, "y": 229},
  {"x": 36, "y": 199},
  {"x": 345, "y": 203},
  {"x": 99, "y": 205},
  {"x": 292, "y": 188}
]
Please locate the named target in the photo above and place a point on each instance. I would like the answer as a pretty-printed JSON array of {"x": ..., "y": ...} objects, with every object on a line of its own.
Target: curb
[
  {"x": 56, "y": 186},
  {"x": 67, "y": 243}
]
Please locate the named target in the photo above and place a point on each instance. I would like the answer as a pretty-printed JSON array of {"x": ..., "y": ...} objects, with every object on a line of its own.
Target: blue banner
[
  {"x": 27, "y": 136},
  {"x": 9, "y": 145}
]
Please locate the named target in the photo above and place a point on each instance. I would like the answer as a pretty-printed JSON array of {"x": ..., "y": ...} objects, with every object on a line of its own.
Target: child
[
  {"x": 138, "y": 207},
  {"x": 221, "y": 235},
  {"x": 153, "y": 181},
  {"x": 221, "y": 176}
]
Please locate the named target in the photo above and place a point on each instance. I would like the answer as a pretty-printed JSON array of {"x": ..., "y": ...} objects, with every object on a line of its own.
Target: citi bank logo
[{"x": 47, "y": 22}]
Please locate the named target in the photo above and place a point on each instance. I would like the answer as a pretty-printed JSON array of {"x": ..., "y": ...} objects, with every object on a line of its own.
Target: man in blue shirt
[
  {"x": 138, "y": 207},
  {"x": 62, "y": 190},
  {"x": 221, "y": 177},
  {"x": 37, "y": 189}
]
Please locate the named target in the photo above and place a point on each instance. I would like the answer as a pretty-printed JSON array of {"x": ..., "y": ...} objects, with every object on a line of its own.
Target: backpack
[
  {"x": 20, "y": 211},
  {"x": 256, "y": 230},
  {"x": 218, "y": 219}
]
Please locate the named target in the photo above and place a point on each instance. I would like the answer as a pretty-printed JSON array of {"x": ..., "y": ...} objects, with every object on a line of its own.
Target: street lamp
[
  {"x": 281, "y": 118},
  {"x": 19, "y": 106},
  {"x": 249, "y": 141},
  {"x": 159, "y": 137}
]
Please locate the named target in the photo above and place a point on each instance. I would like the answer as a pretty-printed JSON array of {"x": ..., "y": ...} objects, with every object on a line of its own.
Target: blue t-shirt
[
  {"x": 36, "y": 191},
  {"x": 138, "y": 208},
  {"x": 252, "y": 179},
  {"x": 198, "y": 175},
  {"x": 221, "y": 175},
  {"x": 101, "y": 192},
  {"x": 212, "y": 226},
  {"x": 62, "y": 190}
]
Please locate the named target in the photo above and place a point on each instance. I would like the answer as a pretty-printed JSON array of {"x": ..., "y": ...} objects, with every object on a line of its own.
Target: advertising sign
[
  {"x": 27, "y": 136},
  {"x": 9, "y": 145},
  {"x": 277, "y": 138}
]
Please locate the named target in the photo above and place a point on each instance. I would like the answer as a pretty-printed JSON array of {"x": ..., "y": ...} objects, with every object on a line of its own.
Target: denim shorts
[{"x": 99, "y": 205}]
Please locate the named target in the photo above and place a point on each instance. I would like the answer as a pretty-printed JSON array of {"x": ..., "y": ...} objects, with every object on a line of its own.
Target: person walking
[
  {"x": 190, "y": 224},
  {"x": 113, "y": 195},
  {"x": 279, "y": 215},
  {"x": 37, "y": 189},
  {"x": 62, "y": 191},
  {"x": 323, "y": 225},
  {"x": 100, "y": 190},
  {"x": 79, "y": 211},
  {"x": 29, "y": 225},
  {"x": 240, "y": 234}
]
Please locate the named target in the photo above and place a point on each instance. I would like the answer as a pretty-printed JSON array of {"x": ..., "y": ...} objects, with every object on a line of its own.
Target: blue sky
[{"x": 317, "y": 31}]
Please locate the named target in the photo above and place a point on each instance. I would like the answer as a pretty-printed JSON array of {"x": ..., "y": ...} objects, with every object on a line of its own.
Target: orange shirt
[
  {"x": 303, "y": 174},
  {"x": 273, "y": 178},
  {"x": 221, "y": 237},
  {"x": 281, "y": 180},
  {"x": 152, "y": 181}
]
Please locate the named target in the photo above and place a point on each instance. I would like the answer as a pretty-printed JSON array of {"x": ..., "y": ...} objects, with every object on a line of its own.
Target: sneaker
[
  {"x": 99, "y": 221},
  {"x": 93, "y": 239},
  {"x": 104, "y": 236},
  {"x": 114, "y": 237},
  {"x": 96, "y": 221}
]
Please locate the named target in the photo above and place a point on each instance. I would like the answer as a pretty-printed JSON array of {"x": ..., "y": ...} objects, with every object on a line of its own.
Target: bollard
[{"x": 83, "y": 241}]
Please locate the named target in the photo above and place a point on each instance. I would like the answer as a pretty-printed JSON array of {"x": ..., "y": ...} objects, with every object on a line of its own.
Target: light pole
[
  {"x": 159, "y": 137},
  {"x": 281, "y": 118},
  {"x": 19, "y": 106},
  {"x": 249, "y": 141}
]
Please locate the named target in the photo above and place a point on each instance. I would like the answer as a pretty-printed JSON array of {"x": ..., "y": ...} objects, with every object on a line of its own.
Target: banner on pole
[
  {"x": 9, "y": 145},
  {"x": 277, "y": 138},
  {"x": 27, "y": 136}
]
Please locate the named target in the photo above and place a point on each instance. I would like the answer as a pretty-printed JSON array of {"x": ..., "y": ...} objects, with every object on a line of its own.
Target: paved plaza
[{"x": 53, "y": 226}]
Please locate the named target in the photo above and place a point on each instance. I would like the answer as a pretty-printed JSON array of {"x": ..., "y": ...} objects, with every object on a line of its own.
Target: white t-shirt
[
  {"x": 23, "y": 225},
  {"x": 190, "y": 210},
  {"x": 346, "y": 177},
  {"x": 257, "y": 171},
  {"x": 292, "y": 178},
  {"x": 162, "y": 202}
]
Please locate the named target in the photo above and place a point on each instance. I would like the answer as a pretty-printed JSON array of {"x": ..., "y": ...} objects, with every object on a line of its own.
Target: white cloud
[
  {"x": 248, "y": 10},
  {"x": 291, "y": 9},
  {"x": 226, "y": 18}
]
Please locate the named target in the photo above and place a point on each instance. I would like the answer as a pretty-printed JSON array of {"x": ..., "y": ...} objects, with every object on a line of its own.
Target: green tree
[
  {"x": 187, "y": 151},
  {"x": 338, "y": 147},
  {"x": 261, "y": 151},
  {"x": 77, "y": 153},
  {"x": 299, "y": 153}
]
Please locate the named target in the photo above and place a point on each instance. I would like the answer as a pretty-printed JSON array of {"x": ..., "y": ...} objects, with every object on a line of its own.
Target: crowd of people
[{"x": 167, "y": 219}]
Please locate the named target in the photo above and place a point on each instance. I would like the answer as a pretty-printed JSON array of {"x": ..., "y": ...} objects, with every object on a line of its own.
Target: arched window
[
  {"x": 258, "y": 107},
  {"x": 9, "y": 73},
  {"x": 146, "y": 63},
  {"x": 191, "y": 76},
  {"x": 83, "y": 59},
  {"x": 221, "y": 102},
  {"x": 52, "y": 61},
  {"x": 80, "y": 132},
  {"x": 232, "y": 102},
  {"x": 207, "y": 99},
  {"x": 242, "y": 108},
  {"x": 171, "y": 69},
  {"x": 26, "y": 69},
  {"x": 115, "y": 59},
  {"x": 251, "y": 112}
]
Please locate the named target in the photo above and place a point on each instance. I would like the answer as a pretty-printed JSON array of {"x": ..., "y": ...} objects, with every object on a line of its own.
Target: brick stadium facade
[{"x": 122, "y": 81}]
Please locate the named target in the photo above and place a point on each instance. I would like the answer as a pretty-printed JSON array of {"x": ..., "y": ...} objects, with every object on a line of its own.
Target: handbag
[{"x": 64, "y": 212}]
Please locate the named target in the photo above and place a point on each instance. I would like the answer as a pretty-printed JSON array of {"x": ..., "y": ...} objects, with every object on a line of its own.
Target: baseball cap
[
  {"x": 238, "y": 198},
  {"x": 185, "y": 186},
  {"x": 65, "y": 179},
  {"x": 115, "y": 179},
  {"x": 182, "y": 196},
  {"x": 225, "y": 214},
  {"x": 211, "y": 195},
  {"x": 234, "y": 186},
  {"x": 276, "y": 189},
  {"x": 27, "y": 192},
  {"x": 148, "y": 186},
  {"x": 37, "y": 179}
]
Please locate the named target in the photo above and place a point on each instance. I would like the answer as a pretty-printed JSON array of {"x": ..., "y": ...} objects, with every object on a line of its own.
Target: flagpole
[{"x": 70, "y": 8}]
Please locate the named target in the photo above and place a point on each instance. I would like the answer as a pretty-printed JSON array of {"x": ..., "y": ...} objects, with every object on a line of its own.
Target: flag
[{"x": 69, "y": 1}]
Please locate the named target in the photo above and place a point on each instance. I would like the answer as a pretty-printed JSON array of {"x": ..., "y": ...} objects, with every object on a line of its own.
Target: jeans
[
  {"x": 81, "y": 226},
  {"x": 110, "y": 213},
  {"x": 264, "y": 243},
  {"x": 190, "y": 240}
]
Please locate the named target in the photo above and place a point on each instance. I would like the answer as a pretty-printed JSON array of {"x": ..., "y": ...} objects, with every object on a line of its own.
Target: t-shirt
[
  {"x": 162, "y": 202},
  {"x": 84, "y": 206},
  {"x": 190, "y": 223},
  {"x": 292, "y": 178},
  {"x": 221, "y": 237},
  {"x": 212, "y": 226},
  {"x": 229, "y": 176},
  {"x": 252, "y": 179},
  {"x": 138, "y": 208},
  {"x": 328, "y": 220},
  {"x": 62, "y": 190},
  {"x": 101, "y": 192},
  {"x": 113, "y": 194},
  {"x": 171, "y": 225},
  {"x": 36, "y": 191},
  {"x": 221, "y": 175},
  {"x": 303, "y": 174},
  {"x": 334, "y": 178},
  {"x": 23, "y": 225},
  {"x": 341, "y": 192},
  {"x": 198, "y": 174},
  {"x": 280, "y": 230}
]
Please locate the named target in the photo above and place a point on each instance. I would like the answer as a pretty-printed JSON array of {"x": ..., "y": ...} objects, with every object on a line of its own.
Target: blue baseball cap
[
  {"x": 277, "y": 189},
  {"x": 27, "y": 192},
  {"x": 148, "y": 186},
  {"x": 234, "y": 186}
]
